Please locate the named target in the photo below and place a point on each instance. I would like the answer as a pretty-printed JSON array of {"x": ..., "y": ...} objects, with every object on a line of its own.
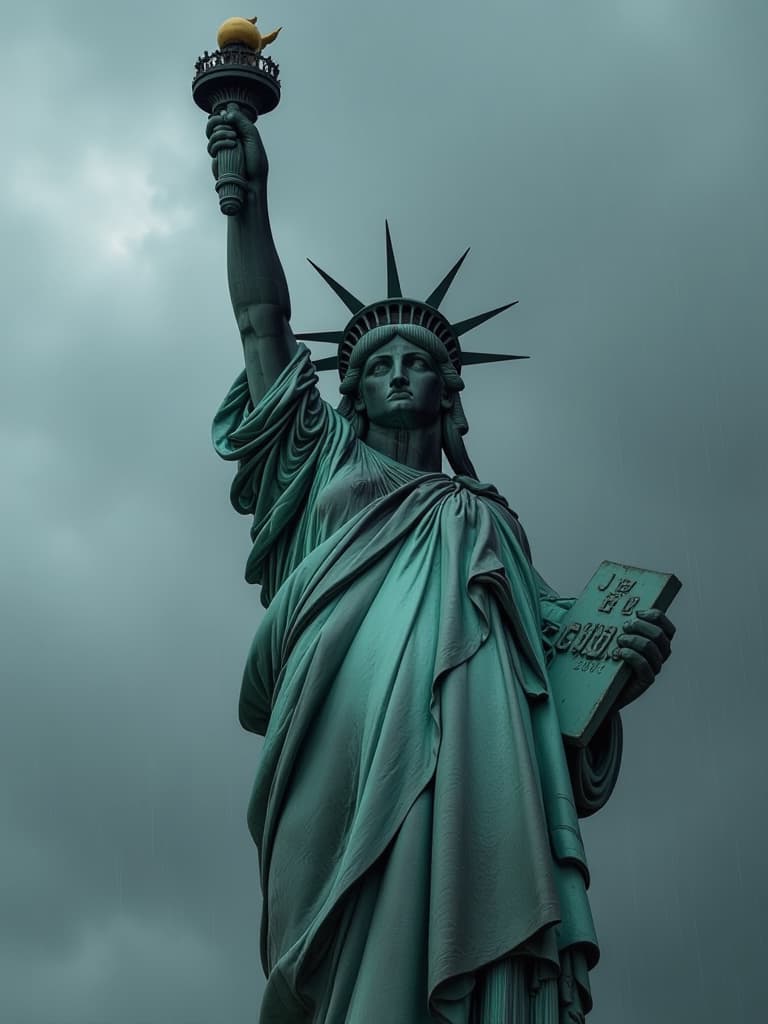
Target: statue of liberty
[{"x": 415, "y": 808}]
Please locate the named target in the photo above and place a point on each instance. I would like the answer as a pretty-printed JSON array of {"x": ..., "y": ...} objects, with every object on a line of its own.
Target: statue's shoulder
[{"x": 501, "y": 507}]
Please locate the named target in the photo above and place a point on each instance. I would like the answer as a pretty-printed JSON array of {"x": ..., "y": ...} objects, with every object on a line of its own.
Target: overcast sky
[{"x": 606, "y": 161}]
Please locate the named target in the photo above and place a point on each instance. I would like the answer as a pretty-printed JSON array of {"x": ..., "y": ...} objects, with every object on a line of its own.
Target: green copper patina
[{"x": 414, "y": 809}]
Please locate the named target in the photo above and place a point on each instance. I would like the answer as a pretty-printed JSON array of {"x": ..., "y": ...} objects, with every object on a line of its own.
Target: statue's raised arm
[{"x": 257, "y": 284}]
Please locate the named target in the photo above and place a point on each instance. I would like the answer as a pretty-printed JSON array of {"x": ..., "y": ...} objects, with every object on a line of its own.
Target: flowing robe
[{"x": 412, "y": 808}]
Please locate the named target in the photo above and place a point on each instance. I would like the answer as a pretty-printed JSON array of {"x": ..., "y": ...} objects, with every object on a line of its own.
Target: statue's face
[{"x": 401, "y": 386}]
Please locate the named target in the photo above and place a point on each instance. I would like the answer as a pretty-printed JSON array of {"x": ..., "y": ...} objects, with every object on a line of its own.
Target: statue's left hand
[{"x": 645, "y": 644}]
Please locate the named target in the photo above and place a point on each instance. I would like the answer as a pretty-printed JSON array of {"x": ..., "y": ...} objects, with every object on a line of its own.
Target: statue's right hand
[{"x": 232, "y": 128}]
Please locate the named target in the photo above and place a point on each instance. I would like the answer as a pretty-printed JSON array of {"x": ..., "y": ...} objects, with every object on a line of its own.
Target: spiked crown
[{"x": 396, "y": 309}]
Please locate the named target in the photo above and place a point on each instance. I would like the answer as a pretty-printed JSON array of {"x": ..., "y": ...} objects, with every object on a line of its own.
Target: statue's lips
[{"x": 399, "y": 394}]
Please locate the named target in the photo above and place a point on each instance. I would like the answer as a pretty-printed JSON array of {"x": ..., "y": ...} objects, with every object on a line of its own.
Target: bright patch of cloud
[
  {"x": 109, "y": 205},
  {"x": 125, "y": 204},
  {"x": 98, "y": 202}
]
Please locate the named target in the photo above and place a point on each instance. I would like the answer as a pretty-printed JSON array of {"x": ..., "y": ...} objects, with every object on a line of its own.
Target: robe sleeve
[{"x": 277, "y": 446}]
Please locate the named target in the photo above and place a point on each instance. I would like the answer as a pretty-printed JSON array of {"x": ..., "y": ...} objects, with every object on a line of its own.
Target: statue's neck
[{"x": 419, "y": 448}]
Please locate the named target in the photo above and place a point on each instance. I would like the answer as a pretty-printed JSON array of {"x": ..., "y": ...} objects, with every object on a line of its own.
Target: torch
[{"x": 236, "y": 76}]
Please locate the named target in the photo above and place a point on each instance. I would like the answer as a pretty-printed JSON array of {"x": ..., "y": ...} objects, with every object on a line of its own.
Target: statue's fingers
[
  {"x": 214, "y": 121},
  {"x": 659, "y": 619},
  {"x": 223, "y": 128},
  {"x": 223, "y": 131},
  {"x": 653, "y": 633},
  {"x": 646, "y": 649},
  {"x": 219, "y": 144},
  {"x": 216, "y": 144},
  {"x": 643, "y": 673}
]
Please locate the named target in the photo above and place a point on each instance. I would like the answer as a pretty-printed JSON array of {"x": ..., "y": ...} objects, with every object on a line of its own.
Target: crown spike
[
  {"x": 474, "y": 358},
  {"x": 394, "y": 291},
  {"x": 475, "y": 321},
  {"x": 353, "y": 304},
  {"x": 328, "y": 363},
  {"x": 438, "y": 294},
  {"x": 331, "y": 337}
]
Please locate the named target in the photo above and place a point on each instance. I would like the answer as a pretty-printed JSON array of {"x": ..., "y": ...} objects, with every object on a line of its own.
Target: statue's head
[
  {"x": 396, "y": 331},
  {"x": 400, "y": 376}
]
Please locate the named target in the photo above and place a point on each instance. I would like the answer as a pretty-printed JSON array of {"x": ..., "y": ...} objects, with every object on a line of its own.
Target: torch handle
[{"x": 231, "y": 181}]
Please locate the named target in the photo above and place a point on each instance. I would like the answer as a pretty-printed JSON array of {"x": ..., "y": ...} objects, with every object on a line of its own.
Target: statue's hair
[{"x": 453, "y": 421}]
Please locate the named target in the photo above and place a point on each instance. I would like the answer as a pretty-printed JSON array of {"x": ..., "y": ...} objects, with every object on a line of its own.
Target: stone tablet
[{"x": 587, "y": 673}]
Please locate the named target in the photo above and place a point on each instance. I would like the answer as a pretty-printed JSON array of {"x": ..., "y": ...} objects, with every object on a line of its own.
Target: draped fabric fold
[
  {"x": 594, "y": 770},
  {"x": 412, "y": 808}
]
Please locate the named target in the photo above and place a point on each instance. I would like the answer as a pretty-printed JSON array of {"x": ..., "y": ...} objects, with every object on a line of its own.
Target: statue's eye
[
  {"x": 420, "y": 363},
  {"x": 378, "y": 367}
]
